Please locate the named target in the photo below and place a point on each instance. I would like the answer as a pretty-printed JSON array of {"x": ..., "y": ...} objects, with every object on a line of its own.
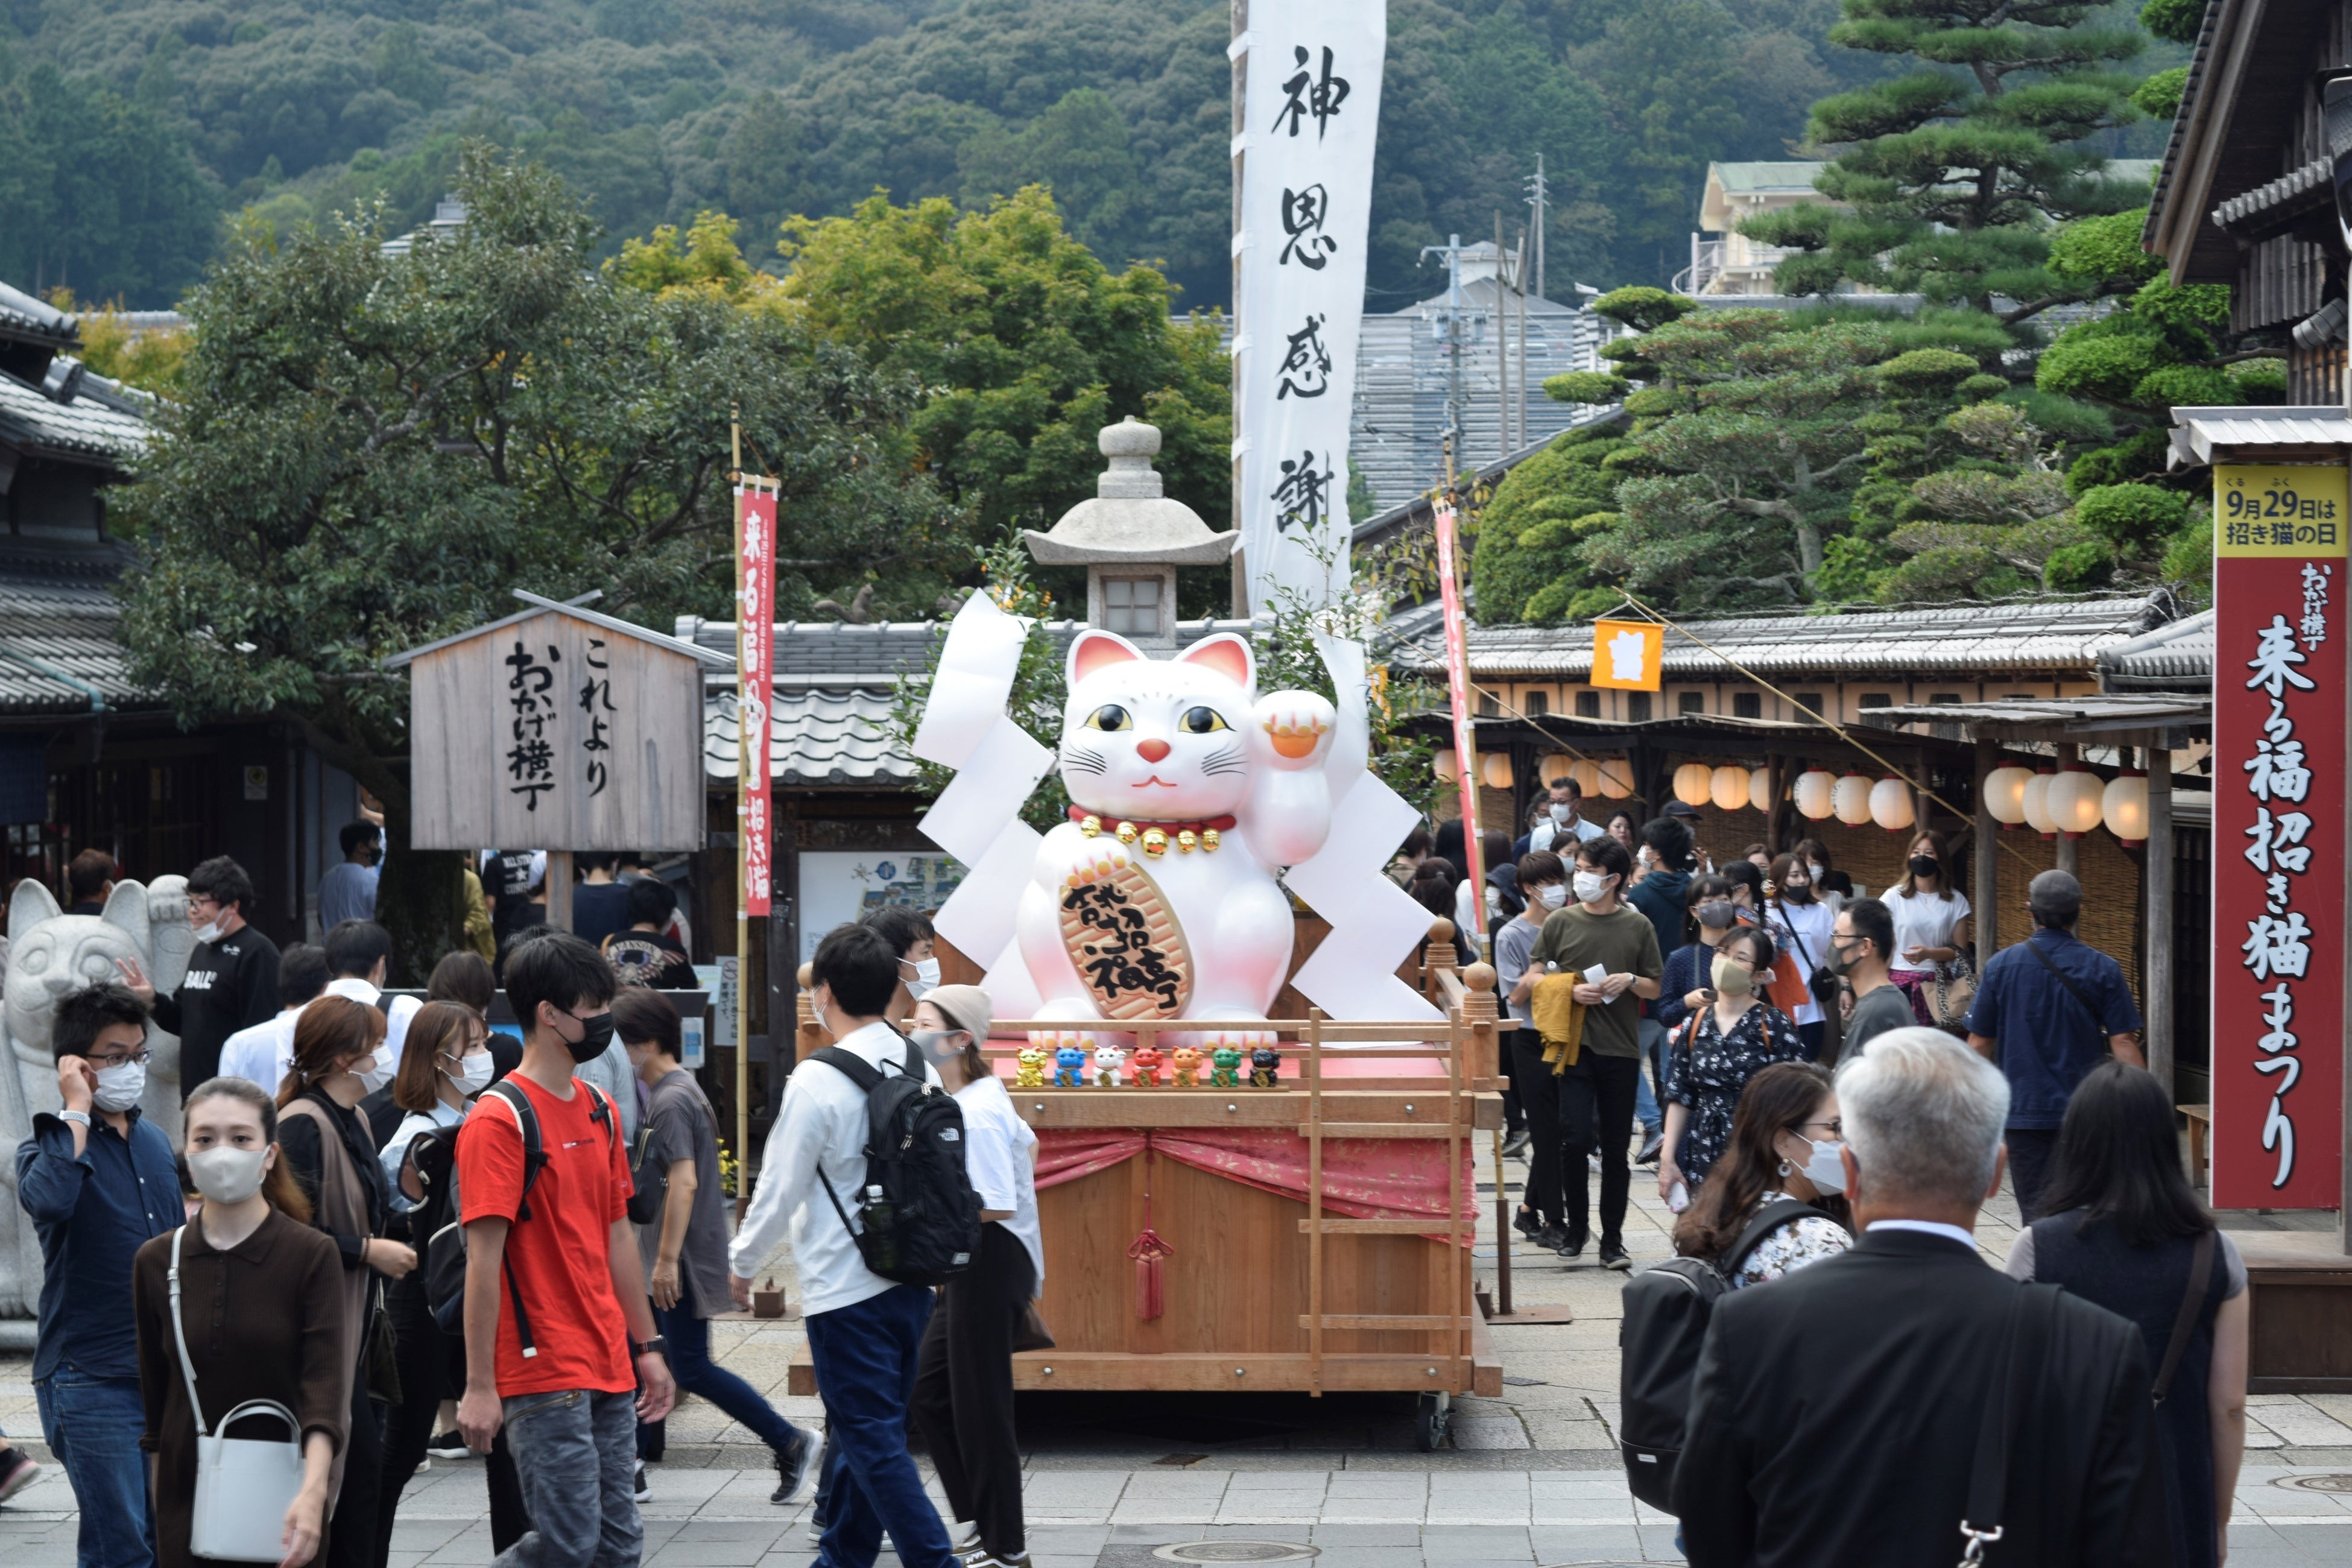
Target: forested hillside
[{"x": 129, "y": 132}]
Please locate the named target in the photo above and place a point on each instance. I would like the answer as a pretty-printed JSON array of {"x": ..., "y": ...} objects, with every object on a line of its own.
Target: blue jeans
[
  {"x": 866, "y": 1358},
  {"x": 690, "y": 1363},
  {"x": 93, "y": 1424},
  {"x": 575, "y": 1452}
]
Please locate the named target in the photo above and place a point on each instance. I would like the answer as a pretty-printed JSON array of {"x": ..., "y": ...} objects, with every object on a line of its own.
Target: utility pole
[
  {"x": 1538, "y": 192},
  {"x": 1449, "y": 332}
]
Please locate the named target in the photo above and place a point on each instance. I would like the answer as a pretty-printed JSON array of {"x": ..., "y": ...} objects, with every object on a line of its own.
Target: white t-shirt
[
  {"x": 997, "y": 1156},
  {"x": 1814, "y": 923},
  {"x": 822, "y": 1127},
  {"x": 1544, "y": 833},
  {"x": 1923, "y": 919},
  {"x": 261, "y": 1054}
]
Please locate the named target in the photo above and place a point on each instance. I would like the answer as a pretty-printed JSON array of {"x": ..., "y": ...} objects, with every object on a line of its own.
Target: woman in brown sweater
[{"x": 262, "y": 1309}]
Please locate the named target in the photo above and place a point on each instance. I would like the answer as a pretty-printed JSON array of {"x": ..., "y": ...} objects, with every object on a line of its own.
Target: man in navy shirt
[
  {"x": 97, "y": 1182},
  {"x": 2048, "y": 1010}
]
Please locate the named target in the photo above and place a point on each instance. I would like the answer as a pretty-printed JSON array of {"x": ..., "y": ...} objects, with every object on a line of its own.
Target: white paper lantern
[
  {"x": 2123, "y": 807},
  {"x": 1616, "y": 779},
  {"x": 2074, "y": 801},
  {"x": 2035, "y": 802},
  {"x": 1587, "y": 774},
  {"x": 1555, "y": 765},
  {"x": 1446, "y": 766},
  {"x": 1759, "y": 789},
  {"x": 1694, "y": 784},
  {"x": 2004, "y": 794},
  {"x": 1812, "y": 791},
  {"x": 1495, "y": 767},
  {"x": 1729, "y": 788},
  {"x": 1890, "y": 804},
  {"x": 1850, "y": 800}
]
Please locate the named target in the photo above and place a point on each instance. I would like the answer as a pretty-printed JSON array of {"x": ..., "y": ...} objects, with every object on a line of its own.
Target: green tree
[
  {"x": 370, "y": 450},
  {"x": 1951, "y": 177},
  {"x": 1025, "y": 345}
]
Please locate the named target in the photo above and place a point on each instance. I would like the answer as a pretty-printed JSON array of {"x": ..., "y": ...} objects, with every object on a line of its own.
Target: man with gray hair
[
  {"x": 1836, "y": 1412},
  {"x": 2049, "y": 1010}
]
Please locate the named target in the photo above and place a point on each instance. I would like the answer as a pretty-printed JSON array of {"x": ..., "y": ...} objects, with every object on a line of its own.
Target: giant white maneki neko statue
[{"x": 50, "y": 954}]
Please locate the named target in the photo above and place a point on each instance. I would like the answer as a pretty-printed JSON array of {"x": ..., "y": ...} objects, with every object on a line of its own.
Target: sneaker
[
  {"x": 1516, "y": 1144},
  {"x": 1570, "y": 1249},
  {"x": 816, "y": 1535},
  {"x": 645, "y": 1488},
  {"x": 449, "y": 1445},
  {"x": 1615, "y": 1258},
  {"x": 792, "y": 1468},
  {"x": 967, "y": 1541},
  {"x": 1592, "y": 1164},
  {"x": 18, "y": 1470},
  {"x": 1525, "y": 1223},
  {"x": 1650, "y": 1150},
  {"x": 989, "y": 1559},
  {"x": 1547, "y": 1237}
]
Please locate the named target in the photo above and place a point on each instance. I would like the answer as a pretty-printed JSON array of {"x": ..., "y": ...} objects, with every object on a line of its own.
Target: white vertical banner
[{"x": 1311, "y": 109}]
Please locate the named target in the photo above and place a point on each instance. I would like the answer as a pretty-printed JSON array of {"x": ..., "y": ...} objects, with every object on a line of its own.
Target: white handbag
[{"x": 243, "y": 1486}]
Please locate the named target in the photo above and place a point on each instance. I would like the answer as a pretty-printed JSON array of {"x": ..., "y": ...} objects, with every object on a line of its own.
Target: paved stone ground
[{"x": 1531, "y": 1477}]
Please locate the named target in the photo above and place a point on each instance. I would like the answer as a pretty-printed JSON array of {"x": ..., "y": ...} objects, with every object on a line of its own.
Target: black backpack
[
  {"x": 1667, "y": 1307},
  {"x": 923, "y": 1226},
  {"x": 445, "y": 1253}
]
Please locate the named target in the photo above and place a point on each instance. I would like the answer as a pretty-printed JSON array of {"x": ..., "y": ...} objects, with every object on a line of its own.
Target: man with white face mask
[
  {"x": 1566, "y": 827},
  {"x": 98, "y": 1181},
  {"x": 232, "y": 979},
  {"x": 911, "y": 936}
]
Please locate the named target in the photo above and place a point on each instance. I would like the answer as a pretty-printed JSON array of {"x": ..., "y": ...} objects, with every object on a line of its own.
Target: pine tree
[{"x": 1950, "y": 179}]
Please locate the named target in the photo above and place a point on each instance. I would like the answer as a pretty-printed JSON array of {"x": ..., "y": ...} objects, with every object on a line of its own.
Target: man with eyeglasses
[
  {"x": 97, "y": 1180},
  {"x": 232, "y": 980}
]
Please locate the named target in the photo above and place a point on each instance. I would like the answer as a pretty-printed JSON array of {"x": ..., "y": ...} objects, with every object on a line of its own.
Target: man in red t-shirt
[{"x": 561, "y": 1346}]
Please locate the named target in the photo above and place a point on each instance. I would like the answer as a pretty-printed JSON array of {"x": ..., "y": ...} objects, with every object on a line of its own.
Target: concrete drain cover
[
  {"x": 1234, "y": 1551},
  {"x": 2330, "y": 1483}
]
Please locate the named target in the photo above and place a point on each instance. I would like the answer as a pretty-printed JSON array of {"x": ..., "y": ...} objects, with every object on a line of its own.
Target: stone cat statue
[
  {"x": 1159, "y": 897},
  {"x": 51, "y": 955}
]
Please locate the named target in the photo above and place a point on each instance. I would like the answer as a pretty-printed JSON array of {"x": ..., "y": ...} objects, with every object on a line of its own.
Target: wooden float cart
[{"x": 1264, "y": 1291}]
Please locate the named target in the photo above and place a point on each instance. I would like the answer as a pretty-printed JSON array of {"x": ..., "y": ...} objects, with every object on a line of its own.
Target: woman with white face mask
[
  {"x": 1785, "y": 1145},
  {"x": 340, "y": 1056},
  {"x": 260, "y": 1309}
]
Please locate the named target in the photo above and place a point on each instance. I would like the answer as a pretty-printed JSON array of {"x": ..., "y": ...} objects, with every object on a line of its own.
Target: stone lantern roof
[{"x": 1130, "y": 520}]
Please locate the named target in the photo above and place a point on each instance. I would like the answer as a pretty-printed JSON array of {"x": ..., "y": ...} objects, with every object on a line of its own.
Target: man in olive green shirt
[{"x": 1597, "y": 1094}]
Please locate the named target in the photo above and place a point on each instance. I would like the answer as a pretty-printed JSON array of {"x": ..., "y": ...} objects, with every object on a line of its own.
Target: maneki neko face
[
  {"x": 1186, "y": 1056},
  {"x": 1158, "y": 740}
]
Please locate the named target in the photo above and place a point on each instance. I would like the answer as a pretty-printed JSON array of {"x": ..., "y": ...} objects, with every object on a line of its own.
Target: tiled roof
[
  {"x": 815, "y": 738},
  {"x": 24, "y": 315},
  {"x": 2178, "y": 656},
  {"x": 2291, "y": 192},
  {"x": 101, "y": 419},
  {"x": 1766, "y": 176},
  {"x": 838, "y": 653},
  {"x": 2042, "y": 634},
  {"x": 61, "y": 621},
  {"x": 2199, "y": 433}
]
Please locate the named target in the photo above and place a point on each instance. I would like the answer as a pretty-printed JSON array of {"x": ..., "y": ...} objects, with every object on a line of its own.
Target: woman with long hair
[
  {"x": 1710, "y": 1059},
  {"x": 340, "y": 1058},
  {"x": 1784, "y": 1144},
  {"x": 1932, "y": 917},
  {"x": 260, "y": 1313},
  {"x": 1801, "y": 924},
  {"x": 2125, "y": 1229},
  {"x": 1622, "y": 828}
]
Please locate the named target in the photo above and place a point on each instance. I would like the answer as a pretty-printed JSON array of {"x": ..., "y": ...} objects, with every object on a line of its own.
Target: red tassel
[{"x": 1148, "y": 1249}]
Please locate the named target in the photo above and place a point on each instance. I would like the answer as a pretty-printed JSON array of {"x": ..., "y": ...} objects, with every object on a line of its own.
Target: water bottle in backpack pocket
[
  {"x": 1667, "y": 1307},
  {"x": 919, "y": 1216}
]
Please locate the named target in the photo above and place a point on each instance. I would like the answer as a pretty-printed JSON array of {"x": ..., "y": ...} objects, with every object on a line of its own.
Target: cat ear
[
  {"x": 1226, "y": 654},
  {"x": 28, "y": 906},
  {"x": 126, "y": 910},
  {"x": 1094, "y": 650}
]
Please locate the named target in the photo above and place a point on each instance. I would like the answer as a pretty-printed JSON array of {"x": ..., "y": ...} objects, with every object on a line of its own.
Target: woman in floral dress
[
  {"x": 1710, "y": 1059},
  {"x": 1784, "y": 1144}
]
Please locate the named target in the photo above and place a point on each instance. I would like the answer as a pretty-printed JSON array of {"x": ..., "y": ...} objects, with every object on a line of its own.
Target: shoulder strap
[
  {"x": 533, "y": 1154},
  {"x": 600, "y": 1111},
  {"x": 2072, "y": 989},
  {"x": 2201, "y": 1273},
  {"x": 1789, "y": 924},
  {"x": 1771, "y": 1217},
  {"x": 849, "y": 1065},
  {"x": 180, "y": 1333},
  {"x": 2004, "y": 1410}
]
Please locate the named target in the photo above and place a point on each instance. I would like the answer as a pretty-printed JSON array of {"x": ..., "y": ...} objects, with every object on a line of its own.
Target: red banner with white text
[
  {"x": 2279, "y": 795},
  {"x": 755, "y": 655},
  {"x": 1457, "y": 685}
]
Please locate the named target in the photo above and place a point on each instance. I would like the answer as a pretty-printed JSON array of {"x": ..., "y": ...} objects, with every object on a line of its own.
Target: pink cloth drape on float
[{"x": 1364, "y": 1178}]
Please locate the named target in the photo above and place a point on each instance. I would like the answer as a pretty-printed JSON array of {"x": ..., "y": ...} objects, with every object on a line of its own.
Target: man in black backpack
[{"x": 864, "y": 1332}]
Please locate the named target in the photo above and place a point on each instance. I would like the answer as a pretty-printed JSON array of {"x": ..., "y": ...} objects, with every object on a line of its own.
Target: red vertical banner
[
  {"x": 1457, "y": 686},
  {"x": 2278, "y": 798},
  {"x": 755, "y": 657}
]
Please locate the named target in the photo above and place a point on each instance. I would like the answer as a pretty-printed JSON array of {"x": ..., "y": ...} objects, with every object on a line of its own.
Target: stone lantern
[{"x": 1130, "y": 538}]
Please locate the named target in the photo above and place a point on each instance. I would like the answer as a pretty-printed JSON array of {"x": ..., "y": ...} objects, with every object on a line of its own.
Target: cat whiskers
[
  {"x": 1227, "y": 761},
  {"x": 1084, "y": 761}
]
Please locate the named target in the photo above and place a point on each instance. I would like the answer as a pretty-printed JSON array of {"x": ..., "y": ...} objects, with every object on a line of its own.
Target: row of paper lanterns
[{"x": 2071, "y": 799}]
